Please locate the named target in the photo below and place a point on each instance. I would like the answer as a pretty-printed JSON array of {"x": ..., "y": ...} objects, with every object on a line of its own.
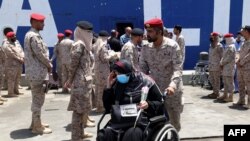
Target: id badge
[{"x": 128, "y": 110}]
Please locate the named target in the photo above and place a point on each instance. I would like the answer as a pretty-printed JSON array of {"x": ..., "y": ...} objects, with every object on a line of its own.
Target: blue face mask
[{"x": 122, "y": 78}]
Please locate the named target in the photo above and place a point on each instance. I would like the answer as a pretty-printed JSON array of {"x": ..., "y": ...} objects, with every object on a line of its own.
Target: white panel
[
  {"x": 246, "y": 13},
  {"x": 12, "y": 15},
  {"x": 152, "y": 9},
  {"x": 191, "y": 36},
  {"x": 221, "y": 16}
]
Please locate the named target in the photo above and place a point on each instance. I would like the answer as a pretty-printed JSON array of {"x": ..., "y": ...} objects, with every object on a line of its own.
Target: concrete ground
[{"x": 202, "y": 119}]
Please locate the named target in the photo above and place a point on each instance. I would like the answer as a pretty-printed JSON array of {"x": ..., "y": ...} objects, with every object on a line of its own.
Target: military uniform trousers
[
  {"x": 65, "y": 73},
  {"x": 80, "y": 105},
  {"x": 214, "y": 77},
  {"x": 13, "y": 75},
  {"x": 1, "y": 76},
  {"x": 38, "y": 94},
  {"x": 246, "y": 77},
  {"x": 59, "y": 72},
  {"x": 99, "y": 87},
  {"x": 228, "y": 84},
  {"x": 241, "y": 82},
  {"x": 38, "y": 97},
  {"x": 174, "y": 107}
]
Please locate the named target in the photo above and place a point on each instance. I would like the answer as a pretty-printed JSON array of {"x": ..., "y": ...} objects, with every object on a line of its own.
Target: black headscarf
[{"x": 123, "y": 67}]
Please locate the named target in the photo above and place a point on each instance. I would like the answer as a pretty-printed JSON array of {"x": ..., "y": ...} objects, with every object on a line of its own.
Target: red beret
[
  {"x": 10, "y": 34},
  {"x": 68, "y": 31},
  {"x": 37, "y": 17},
  {"x": 215, "y": 34},
  {"x": 153, "y": 23},
  {"x": 228, "y": 35},
  {"x": 60, "y": 35}
]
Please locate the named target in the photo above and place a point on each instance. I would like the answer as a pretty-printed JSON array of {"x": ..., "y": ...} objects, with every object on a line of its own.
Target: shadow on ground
[
  {"x": 22, "y": 134},
  {"x": 238, "y": 107}
]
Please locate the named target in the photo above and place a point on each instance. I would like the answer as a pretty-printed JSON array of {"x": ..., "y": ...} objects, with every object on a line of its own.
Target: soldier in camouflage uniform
[
  {"x": 80, "y": 79},
  {"x": 130, "y": 51},
  {"x": 2, "y": 62},
  {"x": 102, "y": 67},
  {"x": 37, "y": 67},
  {"x": 65, "y": 47},
  {"x": 227, "y": 63},
  {"x": 161, "y": 59},
  {"x": 57, "y": 53},
  {"x": 215, "y": 55},
  {"x": 180, "y": 40},
  {"x": 243, "y": 64},
  {"x": 14, "y": 62},
  {"x": 5, "y": 80}
]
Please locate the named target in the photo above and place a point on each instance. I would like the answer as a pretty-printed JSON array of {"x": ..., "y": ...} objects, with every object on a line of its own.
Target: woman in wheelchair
[{"x": 124, "y": 99}]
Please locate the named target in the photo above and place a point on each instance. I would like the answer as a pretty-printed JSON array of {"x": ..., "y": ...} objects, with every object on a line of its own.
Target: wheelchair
[
  {"x": 157, "y": 129},
  {"x": 201, "y": 75}
]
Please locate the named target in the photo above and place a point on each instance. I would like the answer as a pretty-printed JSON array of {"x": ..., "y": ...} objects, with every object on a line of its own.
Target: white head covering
[
  {"x": 230, "y": 40},
  {"x": 86, "y": 36}
]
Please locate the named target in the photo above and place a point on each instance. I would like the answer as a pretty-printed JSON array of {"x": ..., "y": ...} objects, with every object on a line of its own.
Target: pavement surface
[{"x": 202, "y": 119}]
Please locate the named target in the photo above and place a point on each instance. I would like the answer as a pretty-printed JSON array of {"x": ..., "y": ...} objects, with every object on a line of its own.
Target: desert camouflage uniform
[
  {"x": 64, "y": 56},
  {"x": 80, "y": 76},
  {"x": 2, "y": 60},
  {"x": 36, "y": 68},
  {"x": 215, "y": 55},
  {"x": 181, "y": 42},
  {"x": 244, "y": 61},
  {"x": 57, "y": 53},
  {"x": 102, "y": 70},
  {"x": 164, "y": 65},
  {"x": 13, "y": 64},
  {"x": 130, "y": 53},
  {"x": 228, "y": 64}
]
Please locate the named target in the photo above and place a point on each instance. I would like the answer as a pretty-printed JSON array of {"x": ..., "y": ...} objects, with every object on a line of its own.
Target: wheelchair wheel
[{"x": 167, "y": 133}]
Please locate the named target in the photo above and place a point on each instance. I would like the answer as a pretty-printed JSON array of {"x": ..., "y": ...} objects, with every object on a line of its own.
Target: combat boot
[
  {"x": 241, "y": 101},
  {"x": 3, "y": 99},
  {"x": 87, "y": 135},
  {"x": 41, "y": 130},
  {"x": 43, "y": 124},
  {"x": 213, "y": 95},
  {"x": 89, "y": 124},
  {"x": 65, "y": 90},
  {"x": 248, "y": 102},
  {"x": 223, "y": 97},
  {"x": 230, "y": 98},
  {"x": 12, "y": 95},
  {"x": 37, "y": 127},
  {"x": 91, "y": 119},
  {"x": 86, "y": 122}
]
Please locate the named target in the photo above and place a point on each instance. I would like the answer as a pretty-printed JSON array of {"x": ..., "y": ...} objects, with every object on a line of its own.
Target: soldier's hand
[
  {"x": 143, "y": 105},
  {"x": 50, "y": 68},
  {"x": 67, "y": 84},
  {"x": 111, "y": 79},
  {"x": 21, "y": 60},
  {"x": 170, "y": 91}
]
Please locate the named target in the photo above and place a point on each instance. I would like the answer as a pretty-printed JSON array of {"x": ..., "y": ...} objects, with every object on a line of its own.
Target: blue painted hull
[{"x": 106, "y": 14}]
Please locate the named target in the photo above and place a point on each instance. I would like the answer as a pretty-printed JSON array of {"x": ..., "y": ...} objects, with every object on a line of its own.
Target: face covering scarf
[{"x": 85, "y": 36}]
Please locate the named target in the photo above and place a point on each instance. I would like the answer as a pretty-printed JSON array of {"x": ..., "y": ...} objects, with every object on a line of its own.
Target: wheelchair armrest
[{"x": 157, "y": 119}]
